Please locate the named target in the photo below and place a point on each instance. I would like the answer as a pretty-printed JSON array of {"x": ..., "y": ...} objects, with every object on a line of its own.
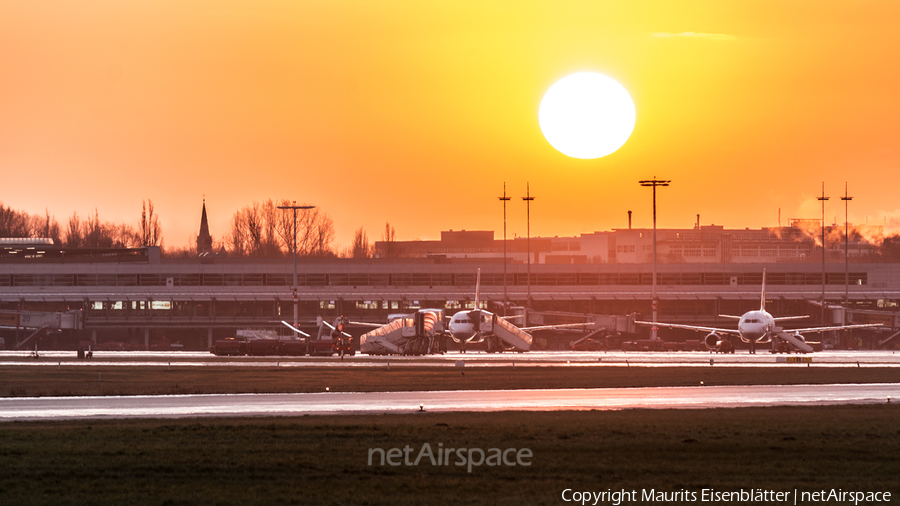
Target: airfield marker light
[
  {"x": 327, "y": 389},
  {"x": 421, "y": 407}
]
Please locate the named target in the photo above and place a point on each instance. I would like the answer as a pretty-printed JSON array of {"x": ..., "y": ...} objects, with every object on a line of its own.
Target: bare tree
[
  {"x": 390, "y": 235},
  {"x": 324, "y": 237},
  {"x": 262, "y": 230},
  {"x": 284, "y": 225},
  {"x": 74, "y": 236},
  {"x": 14, "y": 223},
  {"x": 50, "y": 228},
  {"x": 253, "y": 222},
  {"x": 315, "y": 233},
  {"x": 361, "y": 247},
  {"x": 151, "y": 232},
  {"x": 236, "y": 240},
  {"x": 271, "y": 243},
  {"x": 93, "y": 233}
]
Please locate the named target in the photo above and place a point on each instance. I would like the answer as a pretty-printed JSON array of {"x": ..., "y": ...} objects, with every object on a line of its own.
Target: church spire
[{"x": 204, "y": 240}]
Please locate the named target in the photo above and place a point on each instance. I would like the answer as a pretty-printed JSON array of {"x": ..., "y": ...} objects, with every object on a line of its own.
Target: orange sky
[{"x": 417, "y": 112}]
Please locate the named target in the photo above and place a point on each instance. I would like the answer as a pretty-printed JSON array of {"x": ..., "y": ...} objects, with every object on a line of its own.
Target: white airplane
[
  {"x": 757, "y": 327},
  {"x": 423, "y": 331},
  {"x": 477, "y": 325}
]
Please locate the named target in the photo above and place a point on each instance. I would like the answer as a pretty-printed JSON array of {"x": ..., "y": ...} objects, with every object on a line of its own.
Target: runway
[
  {"x": 178, "y": 406},
  {"x": 830, "y": 358}
]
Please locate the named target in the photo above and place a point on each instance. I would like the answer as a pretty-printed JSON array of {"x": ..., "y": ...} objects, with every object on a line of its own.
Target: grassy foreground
[
  {"x": 323, "y": 460},
  {"x": 33, "y": 381}
]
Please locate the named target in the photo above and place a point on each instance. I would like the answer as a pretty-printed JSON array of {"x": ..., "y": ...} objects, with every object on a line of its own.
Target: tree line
[
  {"x": 88, "y": 232},
  {"x": 258, "y": 230},
  {"x": 262, "y": 230}
]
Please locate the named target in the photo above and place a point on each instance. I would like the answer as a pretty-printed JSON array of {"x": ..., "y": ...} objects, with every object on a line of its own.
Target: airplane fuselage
[
  {"x": 469, "y": 326},
  {"x": 756, "y": 326}
]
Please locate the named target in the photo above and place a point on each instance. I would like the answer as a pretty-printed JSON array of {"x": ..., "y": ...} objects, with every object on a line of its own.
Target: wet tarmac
[
  {"x": 178, "y": 406},
  {"x": 829, "y": 358}
]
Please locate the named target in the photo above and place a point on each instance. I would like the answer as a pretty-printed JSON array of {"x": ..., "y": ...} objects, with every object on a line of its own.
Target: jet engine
[{"x": 712, "y": 341}]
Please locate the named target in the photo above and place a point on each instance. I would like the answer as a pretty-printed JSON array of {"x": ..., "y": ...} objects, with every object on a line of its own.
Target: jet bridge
[
  {"x": 794, "y": 339},
  {"x": 510, "y": 334},
  {"x": 418, "y": 334},
  {"x": 41, "y": 322}
]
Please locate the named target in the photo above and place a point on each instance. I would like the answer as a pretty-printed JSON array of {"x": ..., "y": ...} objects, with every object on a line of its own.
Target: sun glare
[{"x": 586, "y": 115}]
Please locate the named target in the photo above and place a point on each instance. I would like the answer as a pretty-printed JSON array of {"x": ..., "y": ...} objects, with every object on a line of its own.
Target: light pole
[
  {"x": 654, "y": 303},
  {"x": 295, "y": 207},
  {"x": 528, "y": 198},
  {"x": 504, "y": 198},
  {"x": 846, "y": 198},
  {"x": 822, "y": 199}
]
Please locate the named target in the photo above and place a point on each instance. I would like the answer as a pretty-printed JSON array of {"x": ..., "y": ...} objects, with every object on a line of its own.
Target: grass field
[
  {"x": 323, "y": 460},
  {"x": 33, "y": 381}
]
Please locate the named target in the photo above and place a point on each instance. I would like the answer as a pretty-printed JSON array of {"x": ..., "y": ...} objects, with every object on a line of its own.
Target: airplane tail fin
[
  {"x": 762, "y": 300},
  {"x": 477, "y": 289}
]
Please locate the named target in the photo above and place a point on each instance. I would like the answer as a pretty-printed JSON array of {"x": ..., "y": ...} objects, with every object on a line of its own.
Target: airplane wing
[
  {"x": 332, "y": 328},
  {"x": 785, "y": 318},
  {"x": 731, "y": 316},
  {"x": 295, "y": 329},
  {"x": 364, "y": 324},
  {"x": 733, "y": 332},
  {"x": 813, "y": 330},
  {"x": 562, "y": 325}
]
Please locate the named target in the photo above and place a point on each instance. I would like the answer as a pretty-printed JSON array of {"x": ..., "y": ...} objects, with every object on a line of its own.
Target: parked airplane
[
  {"x": 758, "y": 327},
  {"x": 424, "y": 331},
  {"x": 498, "y": 334}
]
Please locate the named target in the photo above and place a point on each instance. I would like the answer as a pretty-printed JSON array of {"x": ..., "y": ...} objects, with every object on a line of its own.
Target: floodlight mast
[
  {"x": 528, "y": 198},
  {"x": 294, "y": 207},
  {"x": 504, "y": 198},
  {"x": 822, "y": 199},
  {"x": 846, "y": 198},
  {"x": 654, "y": 303}
]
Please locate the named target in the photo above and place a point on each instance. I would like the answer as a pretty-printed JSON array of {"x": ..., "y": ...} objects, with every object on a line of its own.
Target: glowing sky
[{"x": 417, "y": 112}]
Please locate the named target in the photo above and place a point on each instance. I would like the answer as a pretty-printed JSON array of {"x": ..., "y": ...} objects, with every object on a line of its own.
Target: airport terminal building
[{"x": 135, "y": 296}]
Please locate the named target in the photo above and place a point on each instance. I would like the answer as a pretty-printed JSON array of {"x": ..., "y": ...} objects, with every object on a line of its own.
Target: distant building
[
  {"x": 204, "y": 240},
  {"x": 707, "y": 244}
]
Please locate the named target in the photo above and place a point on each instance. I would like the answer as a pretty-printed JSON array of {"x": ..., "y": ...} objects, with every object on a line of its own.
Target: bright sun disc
[{"x": 586, "y": 115}]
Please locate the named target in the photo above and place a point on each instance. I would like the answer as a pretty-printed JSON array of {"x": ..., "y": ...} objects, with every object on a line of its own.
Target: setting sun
[{"x": 587, "y": 115}]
